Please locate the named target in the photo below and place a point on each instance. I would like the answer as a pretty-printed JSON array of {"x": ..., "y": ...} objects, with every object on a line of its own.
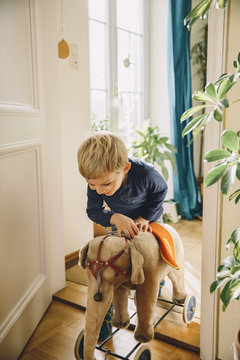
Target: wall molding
[
  {"x": 17, "y": 149},
  {"x": 26, "y": 145},
  {"x": 15, "y": 108},
  {"x": 11, "y": 108},
  {"x": 7, "y": 324}
]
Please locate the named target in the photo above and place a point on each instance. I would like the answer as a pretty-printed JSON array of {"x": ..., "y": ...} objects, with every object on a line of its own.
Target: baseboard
[{"x": 71, "y": 259}]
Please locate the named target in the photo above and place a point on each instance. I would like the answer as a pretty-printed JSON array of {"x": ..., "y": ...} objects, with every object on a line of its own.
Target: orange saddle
[{"x": 166, "y": 244}]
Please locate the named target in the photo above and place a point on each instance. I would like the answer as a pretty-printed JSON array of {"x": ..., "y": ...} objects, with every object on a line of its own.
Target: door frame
[{"x": 216, "y": 63}]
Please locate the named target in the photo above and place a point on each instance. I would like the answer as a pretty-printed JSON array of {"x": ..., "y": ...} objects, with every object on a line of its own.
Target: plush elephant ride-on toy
[{"x": 114, "y": 265}]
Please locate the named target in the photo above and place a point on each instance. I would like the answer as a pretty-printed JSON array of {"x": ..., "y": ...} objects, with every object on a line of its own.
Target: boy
[{"x": 133, "y": 190}]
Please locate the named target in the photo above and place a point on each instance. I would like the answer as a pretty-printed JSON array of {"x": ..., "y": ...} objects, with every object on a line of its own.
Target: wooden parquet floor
[{"x": 55, "y": 337}]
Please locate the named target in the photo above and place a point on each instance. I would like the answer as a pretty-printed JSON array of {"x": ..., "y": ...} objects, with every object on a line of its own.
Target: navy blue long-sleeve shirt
[{"x": 142, "y": 194}]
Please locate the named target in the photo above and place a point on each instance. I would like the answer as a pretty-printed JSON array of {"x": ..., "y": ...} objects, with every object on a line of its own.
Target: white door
[{"x": 26, "y": 265}]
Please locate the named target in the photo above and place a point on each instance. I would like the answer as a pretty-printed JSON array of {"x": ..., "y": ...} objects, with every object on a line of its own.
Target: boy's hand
[
  {"x": 142, "y": 224},
  {"x": 124, "y": 224}
]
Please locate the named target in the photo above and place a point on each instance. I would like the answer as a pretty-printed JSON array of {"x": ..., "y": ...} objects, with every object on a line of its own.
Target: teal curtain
[{"x": 179, "y": 76}]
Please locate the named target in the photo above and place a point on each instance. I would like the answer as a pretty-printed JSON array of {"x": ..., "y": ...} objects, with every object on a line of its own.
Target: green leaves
[
  {"x": 193, "y": 124},
  {"x": 203, "y": 96},
  {"x": 214, "y": 175},
  {"x": 229, "y": 272},
  {"x": 216, "y": 154},
  {"x": 238, "y": 170},
  {"x": 228, "y": 159},
  {"x": 100, "y": 125},
  {"x": 230, "y": 140},
  {"x": 228, "y": 180},
  {"x": 199, "y": 11},
  {"x": 211, "y": 91},
  {"x": 221, "y": 4},
  {"x": 230, "y": 292},
  {"x": 154, "y": 148},
  {"x": 217, "y": 283},
  {"x": 224, "y": 87},
  {"x": 228, "y": 167},
  {"x": 236, "y": 64},
  {"x": 236, "y": 253},
  {"x": 218, "y": 113},
  {"x": 214, "y": 99},
  {"x": 236, "y": 195},
  {"x": 234, "y": 238},
  {"x": 191, "y": 111}
]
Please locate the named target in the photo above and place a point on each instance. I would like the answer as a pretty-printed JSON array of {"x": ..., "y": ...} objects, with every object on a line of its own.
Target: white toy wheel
[
  {"x": 79, "y": 346},
  {"x": 143, "y": 353},
  {"x": 189, "y": 308}
]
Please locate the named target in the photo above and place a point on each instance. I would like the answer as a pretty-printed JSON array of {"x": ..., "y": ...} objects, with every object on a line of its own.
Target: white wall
[
  {"x": 158, "y": 78},
  {"x": 75, "y": 123}
]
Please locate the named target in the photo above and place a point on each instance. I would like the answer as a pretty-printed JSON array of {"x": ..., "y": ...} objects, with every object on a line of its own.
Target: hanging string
[{"x": 62, "y": 26}]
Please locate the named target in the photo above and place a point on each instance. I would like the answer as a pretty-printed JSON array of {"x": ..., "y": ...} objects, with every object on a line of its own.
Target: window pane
[
  {"x": 129, "y": 49},
  {"x": 97, "y": 9},
  {"x": 128, "y": 12},
  {"x": 97, "y": 55},
  {"x": 129, "y": 113},
  {"x": 98, "y": 105}
]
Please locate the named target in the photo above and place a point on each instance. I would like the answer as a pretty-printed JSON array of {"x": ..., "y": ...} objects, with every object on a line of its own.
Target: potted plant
[
  {"x": 227, "y": 168},
  {"x": 150, "y": 146},
  {"x": 100, "y": 125}
]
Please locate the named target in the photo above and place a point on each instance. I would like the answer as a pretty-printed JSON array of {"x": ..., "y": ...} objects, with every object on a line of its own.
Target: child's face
[{"x": 110, "y": 183}]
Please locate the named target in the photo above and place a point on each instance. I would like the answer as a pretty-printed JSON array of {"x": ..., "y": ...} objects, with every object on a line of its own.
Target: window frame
[{"x": 111, "y": 65}]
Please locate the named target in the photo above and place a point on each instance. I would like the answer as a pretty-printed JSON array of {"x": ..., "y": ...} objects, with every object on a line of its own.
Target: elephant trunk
[{"x": 94, "y": 317}]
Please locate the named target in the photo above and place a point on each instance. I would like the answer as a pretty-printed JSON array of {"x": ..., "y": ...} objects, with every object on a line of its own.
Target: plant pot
[
  {"x": 170, "y": 211},
  {"x": 237, "y": 345}
]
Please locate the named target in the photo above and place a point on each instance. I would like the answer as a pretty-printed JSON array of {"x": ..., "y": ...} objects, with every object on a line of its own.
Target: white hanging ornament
[{"x": 126, "y": 62}]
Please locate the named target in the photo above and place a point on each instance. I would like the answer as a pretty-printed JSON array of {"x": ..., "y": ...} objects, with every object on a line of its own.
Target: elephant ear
[
  {"x": 83, "y": 256},
  {"x": 137, "y": 260}
]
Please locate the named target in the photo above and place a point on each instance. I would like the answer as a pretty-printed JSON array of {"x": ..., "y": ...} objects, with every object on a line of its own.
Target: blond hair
[{"x": 100, "y": 154}]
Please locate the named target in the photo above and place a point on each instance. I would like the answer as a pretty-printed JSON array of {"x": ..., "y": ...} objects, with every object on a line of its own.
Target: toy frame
[{"x": 144, "y": 351}]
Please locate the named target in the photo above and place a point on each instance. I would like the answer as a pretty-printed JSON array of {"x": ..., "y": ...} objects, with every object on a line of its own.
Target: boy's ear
[{"x": 127, "y": 167}]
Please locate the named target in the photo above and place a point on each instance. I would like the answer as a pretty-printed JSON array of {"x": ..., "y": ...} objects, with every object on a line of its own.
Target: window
[{"x": 118, "y": 90}]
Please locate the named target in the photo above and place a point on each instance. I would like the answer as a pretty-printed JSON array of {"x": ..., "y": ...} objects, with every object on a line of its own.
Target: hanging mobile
[
  {"x": 126, "y": 61},
  {"x": 63, "y": 48}
]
